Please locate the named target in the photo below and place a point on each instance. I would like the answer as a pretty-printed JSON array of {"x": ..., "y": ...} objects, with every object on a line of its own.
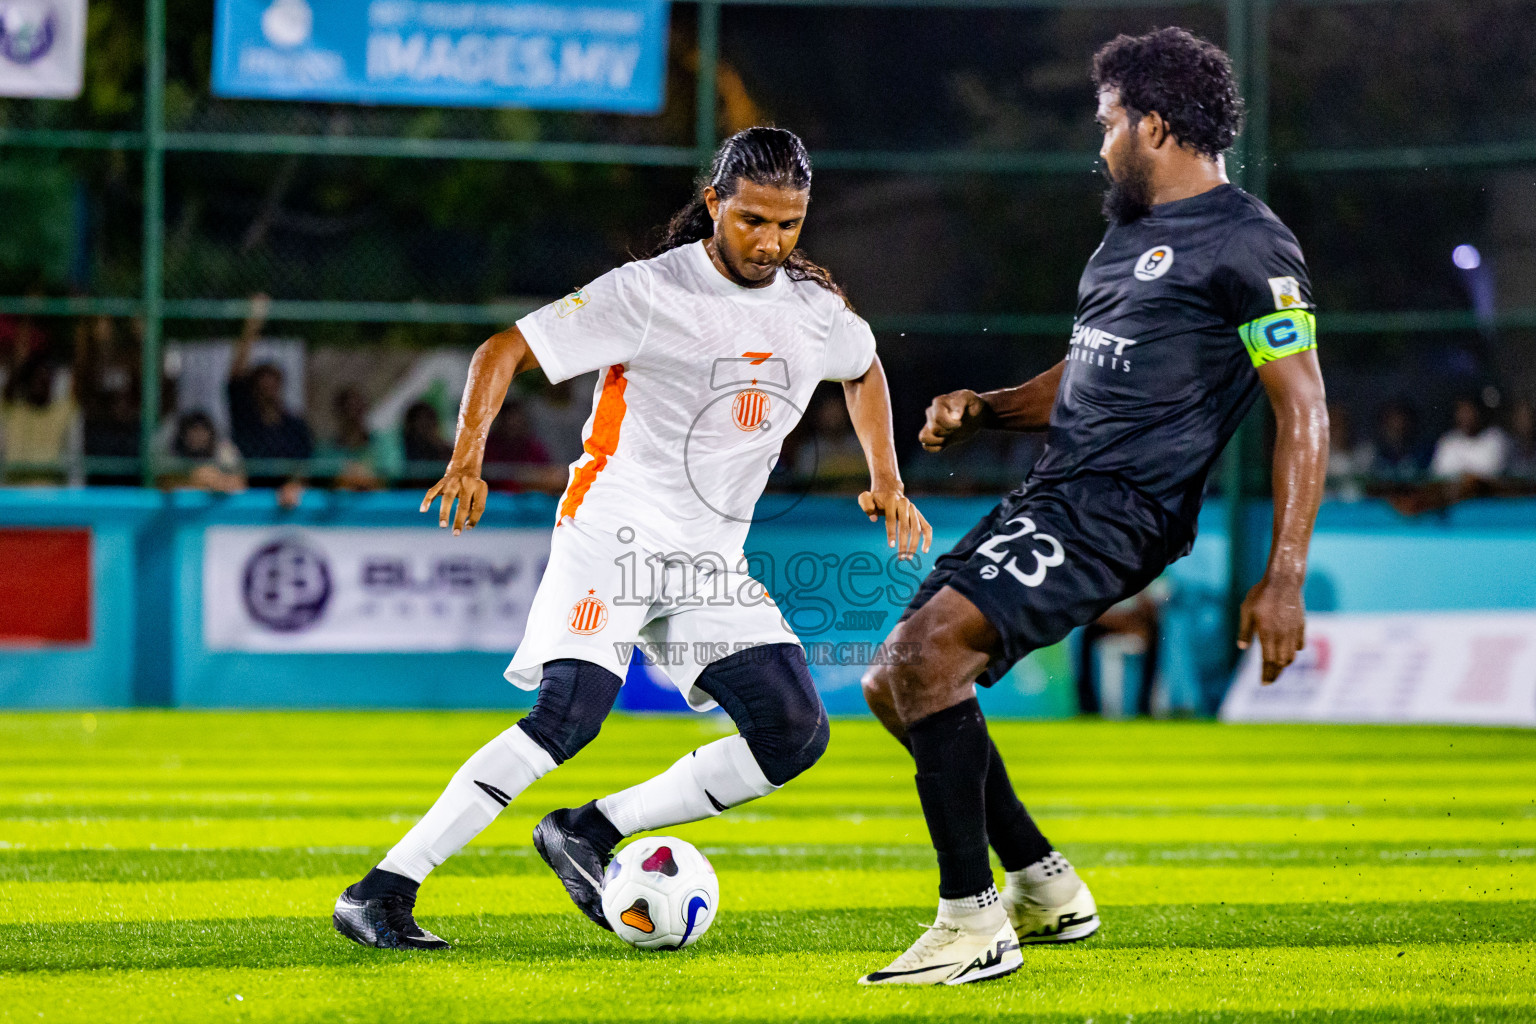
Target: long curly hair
[
  {"x": 1180, "y": 76},
  {"x": 763, "y": 156}
]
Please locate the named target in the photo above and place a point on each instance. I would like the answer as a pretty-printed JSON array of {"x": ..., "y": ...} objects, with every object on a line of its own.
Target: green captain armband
[{"x": 1277, "y": 335}]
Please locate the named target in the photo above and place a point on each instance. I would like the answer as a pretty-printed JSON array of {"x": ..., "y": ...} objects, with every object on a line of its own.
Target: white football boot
[
  {"x": 1048, "y": 902},
  {"x": 967, "y": 943}
]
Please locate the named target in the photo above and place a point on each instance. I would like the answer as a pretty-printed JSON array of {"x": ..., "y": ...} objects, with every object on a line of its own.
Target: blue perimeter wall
[{"x": 147, "y": 550}]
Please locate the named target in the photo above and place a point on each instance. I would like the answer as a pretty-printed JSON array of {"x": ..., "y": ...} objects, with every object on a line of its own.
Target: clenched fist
[{"x": 951, "y": 419}]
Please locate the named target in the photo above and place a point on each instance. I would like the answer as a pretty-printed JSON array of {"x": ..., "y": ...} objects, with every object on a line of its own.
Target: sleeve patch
[
  {"x": 1278, "y": 335},
  {"x": 571, "y": 303},
  {"x": 1287, "y": 293}
]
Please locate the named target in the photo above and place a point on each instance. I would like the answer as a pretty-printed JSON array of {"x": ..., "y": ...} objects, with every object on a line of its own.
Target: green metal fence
[{"x": 1255, "y": 159}]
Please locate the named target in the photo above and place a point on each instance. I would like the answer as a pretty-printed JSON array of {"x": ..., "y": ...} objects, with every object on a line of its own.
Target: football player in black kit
[{"x": 1195, "y": 301}]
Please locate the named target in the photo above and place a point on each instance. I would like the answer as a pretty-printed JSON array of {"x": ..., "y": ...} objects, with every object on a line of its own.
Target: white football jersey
[{"x": 701, "y": 380}]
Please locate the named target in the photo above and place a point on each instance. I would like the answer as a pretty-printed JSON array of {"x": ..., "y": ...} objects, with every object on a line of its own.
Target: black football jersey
[{"x": 1174, "y": 312}]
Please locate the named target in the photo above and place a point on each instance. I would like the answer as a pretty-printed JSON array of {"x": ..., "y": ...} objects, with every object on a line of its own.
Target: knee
[
  {"x": 768, "y": 693},
  {"x": 886, "y": 687},
  {"x": 946, "y": 657},
  {"x": 574, "y": 699},
  {"x": 808, "y": 739},
  {"x": 878, "y": 695},
  {"x": 791, "y": 746},
  {"x": 876, "y": 685}
]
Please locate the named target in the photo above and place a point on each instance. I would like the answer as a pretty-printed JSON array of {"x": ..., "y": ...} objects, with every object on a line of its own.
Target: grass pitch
[{"x": 182, "y": 866}]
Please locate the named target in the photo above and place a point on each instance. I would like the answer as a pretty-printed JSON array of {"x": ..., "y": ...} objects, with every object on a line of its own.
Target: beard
[
  {"x": 1129, "y": 197},
  {"x": 735, "y": 266}
]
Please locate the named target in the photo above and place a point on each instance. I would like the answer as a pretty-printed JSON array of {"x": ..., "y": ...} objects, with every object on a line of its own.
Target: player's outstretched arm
[
  {"x": 1273, "y": 610},
  {"x": 501, "y": 358},
  {"x": 957, "y": 415},
  {"x": 869, "y": 406}
]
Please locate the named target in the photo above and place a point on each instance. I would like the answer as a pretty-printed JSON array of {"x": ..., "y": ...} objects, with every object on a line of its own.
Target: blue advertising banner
[{"x": 575, "y": 55}]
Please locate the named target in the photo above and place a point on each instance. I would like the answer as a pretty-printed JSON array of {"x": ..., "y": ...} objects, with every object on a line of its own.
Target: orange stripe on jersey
[{"x": 601, "y": 443}]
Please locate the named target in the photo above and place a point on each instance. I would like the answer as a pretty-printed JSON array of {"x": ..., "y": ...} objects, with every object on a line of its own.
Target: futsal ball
[{"x": 660, "y": 893}]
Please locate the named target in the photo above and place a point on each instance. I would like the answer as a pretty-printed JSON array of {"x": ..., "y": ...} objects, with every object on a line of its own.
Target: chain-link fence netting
[
  {"x": 312, "y": 228},
  {"x": 970, "y": 277},
  {"x": 873, "y": 78},
  {"x": 1348, "y": 75}
]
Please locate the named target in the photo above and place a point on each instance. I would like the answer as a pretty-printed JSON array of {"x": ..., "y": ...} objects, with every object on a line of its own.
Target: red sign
[{"x": 45, "y": 587}]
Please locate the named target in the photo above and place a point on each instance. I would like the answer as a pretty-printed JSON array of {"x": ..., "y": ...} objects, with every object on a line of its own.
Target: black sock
[
  {"x": 1011, "y": 831},
  {"x": 594, "y": 825},
  {"x": 379, "y": 882},
  {"x": 951, "y": 750}
]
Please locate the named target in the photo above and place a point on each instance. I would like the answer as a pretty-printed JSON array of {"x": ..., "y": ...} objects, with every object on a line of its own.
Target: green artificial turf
[{"x": 172, "y": 866}]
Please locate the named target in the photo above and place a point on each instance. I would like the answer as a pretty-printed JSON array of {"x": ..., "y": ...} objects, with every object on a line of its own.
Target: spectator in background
[
  {"x": 200, "y": 459},
  {"x": 108, "y": 389},
  {"x": 259, "y": 421},
  {"x": 559, "y": 412},
  {"x": 40, "y": 430},
  {"x": 1396, "y": 458},
  {"x": 112, "y": 418},
  {"x": 1472, "y": 450},
  {"x": 1130, "y": 628},
  {"x": 20, "y": 340},
  {"x": 1522, "y": 441},
  {"x": 361, "y": 462},
  {"x": 426, "y": 451},
  {"x": 832, "y": 453},
  {"x": 515, "y": 455},
  {"x": 1349, "y": 460}
]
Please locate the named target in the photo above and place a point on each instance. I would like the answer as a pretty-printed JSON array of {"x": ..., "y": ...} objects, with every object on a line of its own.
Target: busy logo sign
[
  {"x": 287, "y": 584},
  {"x": 42, "y": 48},
  {"x": 337, "y": 589}
]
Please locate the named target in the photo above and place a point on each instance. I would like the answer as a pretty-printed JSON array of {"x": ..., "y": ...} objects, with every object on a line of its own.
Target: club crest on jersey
[
  {"x": 1287, "y": 292},
  {"x": 750, "y": 409},
  {"x": 571, "y": 303},
  {"x": 1154, "y": 263},
  {"x": 588, "y": 616}
]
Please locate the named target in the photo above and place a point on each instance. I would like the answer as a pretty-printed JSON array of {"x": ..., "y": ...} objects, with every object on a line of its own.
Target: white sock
[
  {"x": 1051, "y": 880},
  {"x": 508, "y": 764},
  {"x": 702, "y": 784},
  {"x": 982, "y": 912}
]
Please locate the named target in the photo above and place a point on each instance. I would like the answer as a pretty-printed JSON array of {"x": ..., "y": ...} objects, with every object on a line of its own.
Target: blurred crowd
[
  {"x": 1486, "y": 449},
  {"x": 70, "y": 396}
]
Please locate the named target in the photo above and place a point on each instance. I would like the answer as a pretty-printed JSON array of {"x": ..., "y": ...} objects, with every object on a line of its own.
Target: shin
[
  {"x": 767, "y": 691},
  {"x": 574, "y": 698}
]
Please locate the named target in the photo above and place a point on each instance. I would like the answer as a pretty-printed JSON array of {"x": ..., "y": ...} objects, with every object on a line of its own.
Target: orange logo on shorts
[
  {"x": 750, "y": 409},
  {"x": 588, "y": 615}
]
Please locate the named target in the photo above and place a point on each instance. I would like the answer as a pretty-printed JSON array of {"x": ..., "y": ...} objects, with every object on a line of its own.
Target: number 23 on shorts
[{"x": 1044, "y": 561}]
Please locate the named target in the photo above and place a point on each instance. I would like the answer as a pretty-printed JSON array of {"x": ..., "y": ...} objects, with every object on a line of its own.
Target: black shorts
[{"x": 1052, "y": 557}]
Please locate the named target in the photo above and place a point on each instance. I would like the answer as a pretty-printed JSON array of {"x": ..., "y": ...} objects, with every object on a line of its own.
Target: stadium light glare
[{"x": 1467, "y": 257}]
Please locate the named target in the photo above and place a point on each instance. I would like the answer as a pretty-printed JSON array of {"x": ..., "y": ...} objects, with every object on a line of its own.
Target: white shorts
[{"x": 605, "y": 593}]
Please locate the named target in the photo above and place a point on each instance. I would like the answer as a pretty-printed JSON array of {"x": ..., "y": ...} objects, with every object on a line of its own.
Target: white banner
[
  {"x": 357, "y": 589},
  {"x": 42, "y": 48},
  {"x": 1468, "y": 668}
]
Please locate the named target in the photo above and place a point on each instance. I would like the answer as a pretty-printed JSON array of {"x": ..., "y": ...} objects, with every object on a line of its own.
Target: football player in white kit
[{"x": 709, "y": 351}]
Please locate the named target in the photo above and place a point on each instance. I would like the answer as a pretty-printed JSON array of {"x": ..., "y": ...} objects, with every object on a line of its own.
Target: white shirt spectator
[
  {"x": 1458, "y": 454},
  {"x": 1347, "y": 467}
]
